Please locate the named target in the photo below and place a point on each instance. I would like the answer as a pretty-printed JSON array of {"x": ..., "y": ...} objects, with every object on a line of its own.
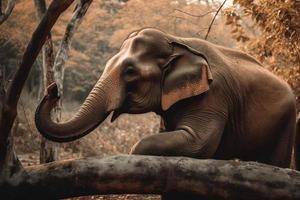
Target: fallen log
[{"x": 128, "y": 174}]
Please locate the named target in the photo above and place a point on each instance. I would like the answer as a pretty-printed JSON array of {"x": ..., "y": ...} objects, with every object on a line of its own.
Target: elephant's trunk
[{"x": 94, "y": 110}]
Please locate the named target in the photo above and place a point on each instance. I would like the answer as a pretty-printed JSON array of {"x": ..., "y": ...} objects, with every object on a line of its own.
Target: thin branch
[
  {"x": 213, "y": 20},
  {"x": 185, "y": 19},
  {"x": 192, "y": 15},
  {"x": 125, "y": 174},
  {"x": 63, "y": 52},
  {"x": 201, "y": 29},
  {"x": 9, "y": 8}
]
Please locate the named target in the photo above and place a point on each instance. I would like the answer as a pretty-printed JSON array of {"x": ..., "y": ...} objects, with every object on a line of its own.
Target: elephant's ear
[{"x": 185, "y": 75}]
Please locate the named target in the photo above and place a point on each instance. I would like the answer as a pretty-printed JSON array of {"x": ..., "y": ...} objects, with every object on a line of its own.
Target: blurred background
[{"x": 268, "y": 30}]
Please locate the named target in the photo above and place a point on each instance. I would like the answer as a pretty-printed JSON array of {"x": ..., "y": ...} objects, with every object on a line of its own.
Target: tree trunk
[{"x": 48, "y": 149}]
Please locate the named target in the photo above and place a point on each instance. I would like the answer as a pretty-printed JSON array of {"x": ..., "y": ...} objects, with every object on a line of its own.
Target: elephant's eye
[{"x": 130, "y": 74}]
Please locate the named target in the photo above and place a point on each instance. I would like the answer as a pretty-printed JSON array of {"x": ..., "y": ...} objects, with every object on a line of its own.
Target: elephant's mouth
[
  {"x": 125, "y": 108},
  {"x": 116, "y": 114}
]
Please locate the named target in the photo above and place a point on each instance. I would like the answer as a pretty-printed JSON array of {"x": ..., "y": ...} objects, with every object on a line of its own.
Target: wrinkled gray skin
[{"x": 215, "y": 102}]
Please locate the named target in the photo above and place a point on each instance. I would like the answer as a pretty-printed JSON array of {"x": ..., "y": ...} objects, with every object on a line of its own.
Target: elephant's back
[{"x": 219, "y": 56}]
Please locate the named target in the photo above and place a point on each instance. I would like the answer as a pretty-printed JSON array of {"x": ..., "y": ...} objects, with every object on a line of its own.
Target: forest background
[{"x": 268, "y": 30}]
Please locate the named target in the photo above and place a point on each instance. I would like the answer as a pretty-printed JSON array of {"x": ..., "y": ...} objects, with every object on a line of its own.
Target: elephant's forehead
[
  {"x": 148, "y": 42},
  {"x": 145, "y": 45},
  {"x": 116, "y": 60},
  {"x": 121, "y": 59}
]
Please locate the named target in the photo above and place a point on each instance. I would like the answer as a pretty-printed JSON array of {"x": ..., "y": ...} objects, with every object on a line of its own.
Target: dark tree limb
[
  {"x": 8, "y": 10},
  {"x": 214, "y": 18},
  {"x": 9, "y": 164},
  {"x": 126, "y": 174}
]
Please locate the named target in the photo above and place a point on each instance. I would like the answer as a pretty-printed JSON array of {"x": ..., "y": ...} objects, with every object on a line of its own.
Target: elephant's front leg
[{"x": 179, "y": 143}]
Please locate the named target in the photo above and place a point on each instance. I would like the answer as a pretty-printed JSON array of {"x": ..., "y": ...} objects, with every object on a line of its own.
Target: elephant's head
[{"x": 151, "y": 72}]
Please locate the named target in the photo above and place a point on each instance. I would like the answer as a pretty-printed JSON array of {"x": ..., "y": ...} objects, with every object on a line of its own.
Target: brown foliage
[{"x": 270, "y": 31}]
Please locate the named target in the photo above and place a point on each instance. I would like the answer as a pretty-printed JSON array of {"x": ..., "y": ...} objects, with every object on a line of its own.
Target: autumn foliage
[{"x": 270, "y": 31}]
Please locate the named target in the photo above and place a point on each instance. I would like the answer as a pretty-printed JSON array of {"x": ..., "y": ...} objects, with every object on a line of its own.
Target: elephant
[{"x": 215, "y": 102}]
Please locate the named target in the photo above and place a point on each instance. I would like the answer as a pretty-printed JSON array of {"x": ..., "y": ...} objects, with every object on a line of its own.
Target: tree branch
[
  {"x": 9, "y": 8},
  {"x": 185, "y": 19},
  {"x": 48, "y": 149},
  {"x": 192, "y": 15},
  {"x": 213, "y": 20},
  {"x": 63, "y": 52},
  {"x": 125, "y": 174}
]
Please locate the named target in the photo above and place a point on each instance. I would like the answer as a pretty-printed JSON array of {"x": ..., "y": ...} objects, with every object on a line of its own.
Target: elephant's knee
[{"x": 143, "y": 147}]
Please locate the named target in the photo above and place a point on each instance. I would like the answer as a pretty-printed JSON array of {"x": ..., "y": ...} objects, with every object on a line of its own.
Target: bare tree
[
  {"x": 53, "y": 70},
  {"x": 8, "y": 10},
  {"x": 48, "y": 149}
]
